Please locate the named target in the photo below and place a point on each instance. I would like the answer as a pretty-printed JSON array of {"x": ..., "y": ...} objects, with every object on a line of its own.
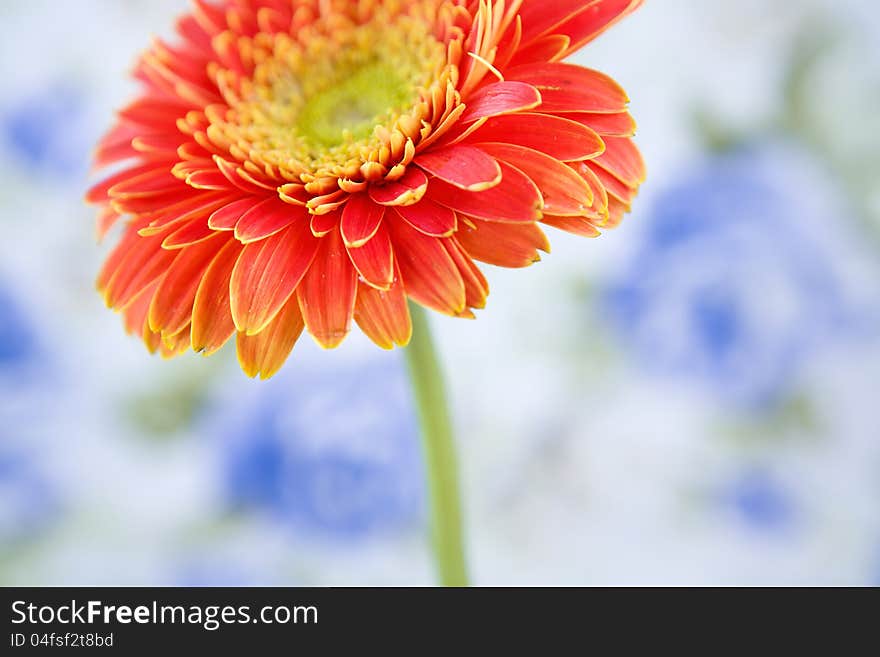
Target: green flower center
[
  {"x": 317, "y": 100},
  {"x": 353, "y": 105}
]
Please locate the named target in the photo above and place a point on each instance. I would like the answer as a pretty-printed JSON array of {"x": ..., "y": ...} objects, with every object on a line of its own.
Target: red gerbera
[{"x": 298, "y": 164}]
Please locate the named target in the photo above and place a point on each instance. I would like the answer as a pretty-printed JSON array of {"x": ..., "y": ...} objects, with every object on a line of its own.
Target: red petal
[
  {"x": 326, "y": 294},
  {"x": 374, "y": 260},
  {"x": 99, "y": 193},
  {"x": 192, "y": 232},
  {"x": 623, "y": 160},
  {"x": 612, "y": 185},
  {"x": 267, "y": 273},
  {"x": 540, "y": 17},
  {"x": 461, "y": 166},
  {"x": 429, "y": 273},
  {"x": 576, "y": 225},
  {"x": 140, "y": 262},
  {"x": 548, "y": 48},
  {"x": 620, "y": 124},
  {"x": 504, "y": 245},
  {"x": 560, "y": 138},
  {"x": 409, "y": 189},
  {"x": 212, "y": 323},
  {"x": 172, "y": 306},
  {"x": 501, "y": 98},
  {"x": 383, "y": 315},
  {"x": 226, "y": 217},
  {"x": 360, "y": 220},
  {"x": 266, "y": 352},
  {"x": 564, "y": 192},
  {"x": 516, "y": 199},
  {"x": 267, "y": 218},
  {"x": 571, "y": 88},
  {"x": 429, "y": 218},
  {"x": 476, "y": 286},
  {"x": 594, "y": 20},
  {"x": 324, "y": 223}
]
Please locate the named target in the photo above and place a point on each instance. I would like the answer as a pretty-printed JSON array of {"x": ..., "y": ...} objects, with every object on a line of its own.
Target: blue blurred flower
[
  {"x": 18, "y": 346},
  {"x": 332, "y": 449},
  {"x": 760, "y": 501},
  {"x": 735, "y": 282},
  {"x": 44, "y": 131},
  {"x": 27, "y": 500}
]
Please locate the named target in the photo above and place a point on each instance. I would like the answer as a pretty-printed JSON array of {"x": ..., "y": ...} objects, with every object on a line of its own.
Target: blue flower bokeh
[
  {"x": 734, "y": 284},
  {"x": 18, "y": 345},
  {"x": 44, "y": 131},
  {"x": 332, "y": 450},
  {"x": 760, "y": 501}
]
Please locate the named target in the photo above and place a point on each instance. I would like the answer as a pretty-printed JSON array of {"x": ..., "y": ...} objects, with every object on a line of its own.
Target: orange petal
[
  {"x": 226, "y": 217},
  {"x": 383, "y": 315},
  {"x": 191, "y": 232},
  {"x": 577, "y": 225},
  {"x": 326, "y": 294},
  {"x": 619, "y": 124},
  {"x": 212, "y": 323},
  {"x": 461, "y": 166},
  {"x": 409, "y": 189},
  {"x": 264, "y": 354},
  {"x": 539, "y": 18},
  {"x": 564, "y": 192},
  {"x": 501, "y": 98},
  {"x": 516, "y": 199},
  {"x": 623, "y": 161},
  {"x": 267, "y": 273},
  {"x": 476, "y": 286},
  {"x": 559, "y": 138},
  {"x": 504, "y": 245},
  {"x": 267, "y": 218},
  {"x": 360, "y": 220},
  {"x": 571, "y": 88},
  {"x": 594, "y": 20},
  {"x": 548, "y": 48},
  {"x": 429, "y": 273},
  {"x": 172, "y": 305},
  {"x": 374, "y": 260},
  {"x": 142, "y": 260},
  {"x": 429, "y": 218},
  {"x": 321, "y": 224}
]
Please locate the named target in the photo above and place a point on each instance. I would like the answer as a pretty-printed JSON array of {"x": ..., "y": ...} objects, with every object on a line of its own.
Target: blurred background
[{"x": 690, "y": 399}]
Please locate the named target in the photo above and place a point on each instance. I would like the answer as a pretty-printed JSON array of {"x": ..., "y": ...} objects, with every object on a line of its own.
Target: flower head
[{"x": 298, "y": 164}]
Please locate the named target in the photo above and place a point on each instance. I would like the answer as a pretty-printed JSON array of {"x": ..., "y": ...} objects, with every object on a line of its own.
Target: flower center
[
  {"x": 353, "y": 105},
  {"x": 322, "y": 102}
]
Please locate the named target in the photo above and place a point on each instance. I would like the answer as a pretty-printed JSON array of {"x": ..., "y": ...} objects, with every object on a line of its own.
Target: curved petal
[
  {"x": 266, "y": 275},
  {"x": 503, "y": 245},
  {"x": 500, "y": 98},
  {"x": 429, "y": 218},
  {"x": 383, "y": 315},
  {"x": 374, "y": 260},
  {"x": 430, "y": 275},
  {"x": 461, "y": 166},
  {"x": 564, "y": 192},
  {"x": 408, "y": 189},
  {"x": 567, "y": 141},
  {"x": 263, "y": 354},
  {"x": 516, "y": 199},
  {"x": 327, "y": 292},
  {"x": 360, "y": 220},
  {"x": 212, "y": 323},
  {"x": 571, "y": 88}
]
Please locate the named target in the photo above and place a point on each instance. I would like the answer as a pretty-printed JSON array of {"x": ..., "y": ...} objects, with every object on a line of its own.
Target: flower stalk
[{"x": 439, "y": 453}]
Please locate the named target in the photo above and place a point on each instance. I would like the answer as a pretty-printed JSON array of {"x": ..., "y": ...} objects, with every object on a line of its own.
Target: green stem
[{"x": 439, "y": 451}]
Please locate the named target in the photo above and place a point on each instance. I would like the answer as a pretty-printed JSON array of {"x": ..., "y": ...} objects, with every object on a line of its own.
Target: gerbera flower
[{"x": 299, "y": 164}]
